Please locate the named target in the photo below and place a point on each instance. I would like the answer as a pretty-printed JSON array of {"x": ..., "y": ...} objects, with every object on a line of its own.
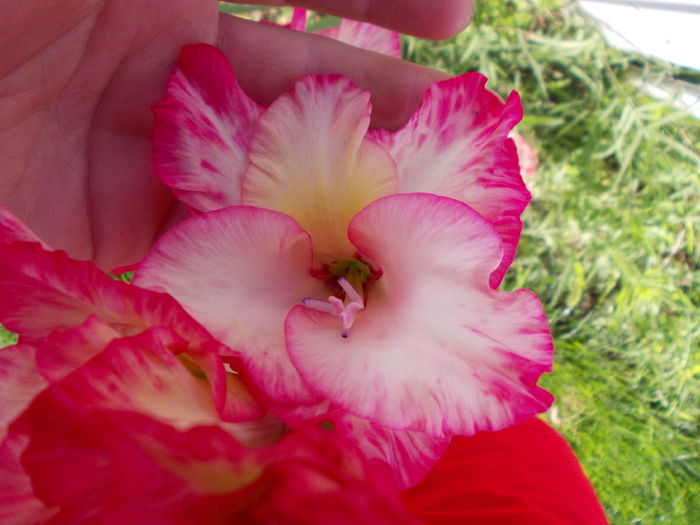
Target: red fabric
[{"x": 524, "y": 475}]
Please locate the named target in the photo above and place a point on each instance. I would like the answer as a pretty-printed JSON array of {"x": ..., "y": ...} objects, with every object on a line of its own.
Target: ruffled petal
[
  {"x": 238, "y": 271},
  {"x": 310, "y": 160},
  {"x": 366, "y": 36},
  {"x": 201, "y": 130},
  {"x": 436, "y": 349},
  {"x": 457, "y": 145},
  {"x": 20, "y": 381}
]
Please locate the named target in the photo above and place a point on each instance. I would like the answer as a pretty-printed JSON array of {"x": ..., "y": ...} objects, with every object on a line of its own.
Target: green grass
[
  {"x": 611, "y": 244},
  {"x": 6, "y": 338}
]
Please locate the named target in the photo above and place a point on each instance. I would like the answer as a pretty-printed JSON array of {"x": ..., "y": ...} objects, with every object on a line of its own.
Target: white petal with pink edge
[
  {"x": 201, "y": 130},
  {"x": 310, "y": 160},
  {"x": 366, "y": 36},
  {"x": 409, "y": 453},
  {"x": 238, "y": 271},
  {"x": 457, "y": 145},
  {"x": 436, "y": 349}
]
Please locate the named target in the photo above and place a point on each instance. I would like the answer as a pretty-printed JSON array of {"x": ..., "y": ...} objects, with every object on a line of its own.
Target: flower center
[{"x": 351, "y": 275}]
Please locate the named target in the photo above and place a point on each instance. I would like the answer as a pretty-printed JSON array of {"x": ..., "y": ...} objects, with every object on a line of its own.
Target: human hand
[{"x": 78, "y": 78}]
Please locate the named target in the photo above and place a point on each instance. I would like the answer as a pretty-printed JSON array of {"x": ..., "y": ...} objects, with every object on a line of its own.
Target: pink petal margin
[
  {"x": 436, "y": 349},
  {"x": 457, "y": 145},
  {"x": 201, "y": 130}
]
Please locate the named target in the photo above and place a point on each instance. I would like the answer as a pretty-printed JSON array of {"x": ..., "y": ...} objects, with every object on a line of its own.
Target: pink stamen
[{"x": 346, "y": 311}]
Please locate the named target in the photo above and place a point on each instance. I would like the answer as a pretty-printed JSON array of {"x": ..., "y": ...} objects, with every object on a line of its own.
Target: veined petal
[
  {"x": 457, "y": 145},
  {"x": 366, "y": 36},
  {"x": 201, "y": 130},
  {"x": 436, "y": 348},
  {"x": 310, "y": 160},
  {"x": 238, "y": 271},
  {"x": 20, "y": 381}
]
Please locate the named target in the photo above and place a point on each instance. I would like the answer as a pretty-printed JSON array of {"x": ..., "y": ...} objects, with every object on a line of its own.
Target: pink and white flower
[
  {"x": 352, "y": 269},
  {"x": 349, "y": 277},
  {"x": 117, "y": 407}
]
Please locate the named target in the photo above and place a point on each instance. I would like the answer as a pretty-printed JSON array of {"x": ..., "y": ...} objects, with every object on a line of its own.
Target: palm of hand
[
  {"x": 78, "y": 78},
  {"x": 75, "y": 113}
]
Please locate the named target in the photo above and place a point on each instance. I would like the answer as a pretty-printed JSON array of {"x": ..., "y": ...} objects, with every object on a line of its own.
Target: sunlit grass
[{"x": 610, "y": 244}]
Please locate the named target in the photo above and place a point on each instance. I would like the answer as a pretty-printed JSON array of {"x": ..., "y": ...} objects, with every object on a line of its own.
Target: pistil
[{"x": 346, "y": 309}]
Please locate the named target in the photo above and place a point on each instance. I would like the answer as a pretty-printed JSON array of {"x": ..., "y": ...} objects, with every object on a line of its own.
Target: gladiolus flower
[
  {"x": 117, "y": 407},
  {"x": 326, "y": 265}
]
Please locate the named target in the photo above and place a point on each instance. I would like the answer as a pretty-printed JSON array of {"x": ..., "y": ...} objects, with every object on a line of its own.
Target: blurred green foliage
[{"x": 610, "y": 244}]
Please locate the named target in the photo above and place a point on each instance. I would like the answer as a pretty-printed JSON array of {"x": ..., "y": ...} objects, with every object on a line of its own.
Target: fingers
[
  {"x": 434, "y": 19},
  {"x": 267, "y": 60}
]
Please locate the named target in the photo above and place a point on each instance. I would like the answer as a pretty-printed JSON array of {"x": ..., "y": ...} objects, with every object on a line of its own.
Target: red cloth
[{"x": 524, "y": 475}]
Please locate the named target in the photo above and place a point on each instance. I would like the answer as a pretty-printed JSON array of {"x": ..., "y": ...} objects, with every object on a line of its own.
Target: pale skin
[{"x": 78, "y": 78}]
